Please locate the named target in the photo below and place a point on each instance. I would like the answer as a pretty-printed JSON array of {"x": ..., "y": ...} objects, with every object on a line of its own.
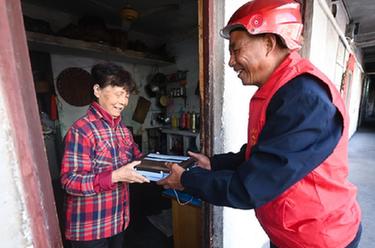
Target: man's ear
[
  {"x": 271, "y": 42},
  {"x": 97, "y": 90}
]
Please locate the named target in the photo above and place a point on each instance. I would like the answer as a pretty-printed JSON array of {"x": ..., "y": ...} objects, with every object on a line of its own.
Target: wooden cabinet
[{"x": 187, "y": 225}]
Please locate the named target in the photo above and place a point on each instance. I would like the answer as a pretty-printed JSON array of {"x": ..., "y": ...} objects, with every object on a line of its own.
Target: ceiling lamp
[{"x": 129, "y": 14}]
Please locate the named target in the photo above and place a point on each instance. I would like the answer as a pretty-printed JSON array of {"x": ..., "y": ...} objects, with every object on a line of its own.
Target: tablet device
[{"x": 153, "y": 166}]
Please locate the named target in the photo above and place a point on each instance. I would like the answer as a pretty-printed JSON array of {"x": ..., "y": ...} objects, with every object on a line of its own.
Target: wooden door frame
[
  {"x": 211, "y": 69},
  {"x": 21, "y": 105}
]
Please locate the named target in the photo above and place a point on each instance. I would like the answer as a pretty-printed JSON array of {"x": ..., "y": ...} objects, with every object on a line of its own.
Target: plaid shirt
[{"x": 96, "y": 145}]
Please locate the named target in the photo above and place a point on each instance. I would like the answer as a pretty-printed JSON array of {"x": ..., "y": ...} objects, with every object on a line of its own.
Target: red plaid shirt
[{"x": 96, "y": 145}]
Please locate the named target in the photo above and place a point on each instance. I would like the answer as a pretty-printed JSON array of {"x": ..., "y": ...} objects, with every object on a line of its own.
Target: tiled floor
[{"x": 362, "y": 174}]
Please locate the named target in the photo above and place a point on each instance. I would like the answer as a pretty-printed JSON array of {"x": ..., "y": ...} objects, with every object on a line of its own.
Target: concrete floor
[{"x": 362, "y": 174}]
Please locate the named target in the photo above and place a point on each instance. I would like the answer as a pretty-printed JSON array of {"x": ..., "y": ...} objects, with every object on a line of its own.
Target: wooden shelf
[
  {"x": 57, "y": 44},
  {"x": 186, "y": 138}
]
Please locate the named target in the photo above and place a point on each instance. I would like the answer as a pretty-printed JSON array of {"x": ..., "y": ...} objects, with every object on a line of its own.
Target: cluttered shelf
[
  {"x": 51, "y": 43},
  {"x": 180, "y": 141}
]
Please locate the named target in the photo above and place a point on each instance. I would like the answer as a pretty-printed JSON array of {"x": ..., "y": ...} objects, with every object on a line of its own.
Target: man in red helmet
[{"x": 293, "y": 170}]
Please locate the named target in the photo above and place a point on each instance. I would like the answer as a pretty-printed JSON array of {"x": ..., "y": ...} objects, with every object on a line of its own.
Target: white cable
[{"x": 178, "y": 199}]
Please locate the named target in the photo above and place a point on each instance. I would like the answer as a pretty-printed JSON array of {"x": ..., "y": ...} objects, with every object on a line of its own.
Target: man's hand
[
  {"x": 202, "y": 160},
  {"x": 173, "y": 181},
  {"x": 128, "y": 174}
]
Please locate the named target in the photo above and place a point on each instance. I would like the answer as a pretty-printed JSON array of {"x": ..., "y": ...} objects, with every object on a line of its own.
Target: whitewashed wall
[
  {"x": 15, "y": 229},
  {"x": 330, "y": 55},
  {"x": 186, "y": 52},
  {"x": 241, "y": 228},
  {"x": 324, "y": 43},
  {"x": 355, "y": 100}
]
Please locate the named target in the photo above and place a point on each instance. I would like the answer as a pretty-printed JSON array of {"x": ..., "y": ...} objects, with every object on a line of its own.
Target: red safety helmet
[{"x": 281, "y": 17}]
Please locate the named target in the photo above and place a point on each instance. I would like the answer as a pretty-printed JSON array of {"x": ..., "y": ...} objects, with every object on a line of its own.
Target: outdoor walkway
[{"x": 362, "y": 174}]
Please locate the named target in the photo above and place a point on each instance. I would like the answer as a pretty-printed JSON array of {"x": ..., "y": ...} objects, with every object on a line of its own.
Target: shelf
[
  {"x": 179, "y": 132},
  {"x": 184, "y": 137},
  {"x": 57, "y": 44}
]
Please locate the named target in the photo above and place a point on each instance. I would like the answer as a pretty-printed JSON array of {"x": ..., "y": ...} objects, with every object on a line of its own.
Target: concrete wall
[
  {"x": 28, "y": 212},
  {"x": 330, "y": 54},
  {"x": 241, "y": 228},
  {"x": 15, "y": 228},
  {"x": 186, "y": 52},
  {"x": 355, "y": 100},
  {"x": 324, "y": 44}
]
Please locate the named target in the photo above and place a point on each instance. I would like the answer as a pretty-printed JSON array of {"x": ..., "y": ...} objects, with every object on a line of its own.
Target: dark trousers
[
  {"x": 353, "y": 244},
  {"x": 116, "y": 241}
]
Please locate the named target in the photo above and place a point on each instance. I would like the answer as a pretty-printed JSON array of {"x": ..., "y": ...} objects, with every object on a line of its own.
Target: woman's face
[
  {"x": 247, "y": 57},
  {"x": 113, "y": 99}
]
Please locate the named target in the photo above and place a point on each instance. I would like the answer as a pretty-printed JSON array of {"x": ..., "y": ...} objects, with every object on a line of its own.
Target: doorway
[{"x": 44, "y": 45}]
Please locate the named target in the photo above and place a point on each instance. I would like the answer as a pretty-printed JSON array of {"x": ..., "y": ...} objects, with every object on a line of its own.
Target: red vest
[{"x": 321, "y": 209}]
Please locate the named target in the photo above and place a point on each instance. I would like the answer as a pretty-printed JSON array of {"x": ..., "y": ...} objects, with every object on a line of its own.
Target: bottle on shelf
[
  {"x": 182, "y": 120},
  {"x": 193, "y": 121},
  {"x": 187, "y": 120},
  {"x": 174, "y": 121}
]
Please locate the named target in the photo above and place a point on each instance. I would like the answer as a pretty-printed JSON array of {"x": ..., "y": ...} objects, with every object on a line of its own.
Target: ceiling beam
[
  {"x": 364, "y": 44},
  {"x": 365, "y": 40}
]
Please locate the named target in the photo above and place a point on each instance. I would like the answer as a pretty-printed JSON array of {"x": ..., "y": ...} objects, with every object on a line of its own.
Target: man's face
[
  {"x": 247, "y": 57},
  {"x": 112, "y": 98}
]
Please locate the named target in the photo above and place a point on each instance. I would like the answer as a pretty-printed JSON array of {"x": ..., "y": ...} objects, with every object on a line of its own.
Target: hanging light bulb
[{"x": 129, "y": 14}]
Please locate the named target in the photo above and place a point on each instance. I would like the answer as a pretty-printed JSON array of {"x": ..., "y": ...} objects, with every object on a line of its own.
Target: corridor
[{"x": 362, "y": 174}]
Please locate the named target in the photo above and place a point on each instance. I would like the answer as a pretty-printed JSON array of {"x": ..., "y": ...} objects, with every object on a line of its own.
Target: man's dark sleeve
[
  {"x": 228, "y": 161},
  {"x": 302, "y": 128}
]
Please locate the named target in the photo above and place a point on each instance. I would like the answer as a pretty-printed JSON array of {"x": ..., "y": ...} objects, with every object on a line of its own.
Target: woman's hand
[
  {"x": 202, "y": 160},
  {"x": 128, "y": 174}
]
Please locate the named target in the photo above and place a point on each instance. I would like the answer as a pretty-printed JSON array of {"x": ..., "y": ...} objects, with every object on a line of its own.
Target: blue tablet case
[{"x": 153, "y": 165}]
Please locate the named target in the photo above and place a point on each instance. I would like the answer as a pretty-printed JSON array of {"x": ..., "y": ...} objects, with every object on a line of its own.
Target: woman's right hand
[
  {"x": 202, "y": 160},
  {"x": 128, "y": 174}
]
